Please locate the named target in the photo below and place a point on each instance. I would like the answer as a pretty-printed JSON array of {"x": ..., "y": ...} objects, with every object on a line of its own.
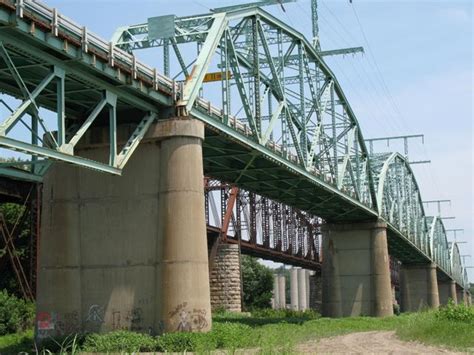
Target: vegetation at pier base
[
  {"x": 271, "y": 331},
  {"x": 257, "y": 282},
  {"x": 16, "y": 315}
]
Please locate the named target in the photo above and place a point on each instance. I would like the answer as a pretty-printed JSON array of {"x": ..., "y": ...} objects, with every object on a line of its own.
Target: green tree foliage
[
  {"x": 257, "y": 284},
  {"x": 12, "y": 212},
  {"x": 15, "y": 314}
]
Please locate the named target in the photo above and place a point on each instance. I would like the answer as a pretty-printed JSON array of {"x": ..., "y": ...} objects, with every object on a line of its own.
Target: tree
[
  {"x": 12, "y": 213},
  {"x": 257, "y": 282}
]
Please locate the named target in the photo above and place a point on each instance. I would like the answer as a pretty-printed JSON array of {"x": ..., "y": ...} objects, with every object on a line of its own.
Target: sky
[{"x": 416, "y": 77}]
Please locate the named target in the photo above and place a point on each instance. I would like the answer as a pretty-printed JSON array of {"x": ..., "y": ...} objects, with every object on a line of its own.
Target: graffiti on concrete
[
  {"x": 68, "y": 323},
  {"x": 95, "y": 314},
  {"x": 187, "y": 320},
  {"x": 199, "y": 319}
]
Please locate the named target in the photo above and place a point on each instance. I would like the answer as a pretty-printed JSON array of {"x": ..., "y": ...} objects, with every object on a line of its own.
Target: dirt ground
[{"x": 367, "y": 343}]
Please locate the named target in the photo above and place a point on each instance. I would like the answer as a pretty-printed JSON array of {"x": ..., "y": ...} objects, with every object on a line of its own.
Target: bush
[
  {"x": 232, "y": 336},
  {"x": 119, "y": 341},
  {"x": 460, "y": 313},
  {"x": 16, "y": 315}
]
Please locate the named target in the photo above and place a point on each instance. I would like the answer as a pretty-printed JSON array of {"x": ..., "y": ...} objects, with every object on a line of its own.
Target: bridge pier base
[
  {"x": 355, "y": 271},
  {"x": 126, "y": 252},
  {"x": 418, "y": 287},
  {"x": 447, "y": 291},
  {"x": 225, "y": 279}
]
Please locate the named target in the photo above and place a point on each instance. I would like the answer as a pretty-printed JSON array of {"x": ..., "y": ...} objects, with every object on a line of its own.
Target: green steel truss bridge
[{"x": 277, "y": 123}]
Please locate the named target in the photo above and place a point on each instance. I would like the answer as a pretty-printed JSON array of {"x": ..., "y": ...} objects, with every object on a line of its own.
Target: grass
[
  {"x": 276, "y": 330},
  {"x": 15, "y": 343}
]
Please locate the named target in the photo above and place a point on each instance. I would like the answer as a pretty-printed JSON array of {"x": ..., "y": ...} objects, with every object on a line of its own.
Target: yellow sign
[{"x": 217, "y": 76}]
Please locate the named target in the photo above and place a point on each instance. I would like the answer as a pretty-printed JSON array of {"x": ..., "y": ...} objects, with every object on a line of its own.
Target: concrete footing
[
  {"x": 127, "y": 252},
  {"x": 225, "y": 279},
  {"x": 447, "y": 291},
  {"x": 418, "y": 287},
  {"x": 356, "y": 274}
]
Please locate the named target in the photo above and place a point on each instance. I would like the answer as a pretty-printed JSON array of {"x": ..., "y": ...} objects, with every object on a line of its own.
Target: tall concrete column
[
  {"x": 185, "y": 270},
  {"x": 225, "y": 279},
  {"x": 302, "y": 290},
  {"x": 447, "y": 291},
  {"x": 308, "y": 274},
  {"x": 418, "y": 287},
  {"x": 459, "y": 295},
  {"x": 294, "y": 288},
  {"x": 282, "y": 291},
  {"x": 356, "y": 273},
  {"x": 276, "y": 292},
  {"x": 315, "y": 292}
]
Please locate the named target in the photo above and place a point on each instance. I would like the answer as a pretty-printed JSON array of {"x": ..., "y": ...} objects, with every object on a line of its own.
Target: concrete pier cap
[{"x": 355, "y": 270}]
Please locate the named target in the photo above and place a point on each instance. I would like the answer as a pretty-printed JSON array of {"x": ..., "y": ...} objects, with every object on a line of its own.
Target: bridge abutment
[
  {"x": 356, "y": 273},
  {"x": 418, "y": 287},
  {"x": 126, "y": 252},
  {"x": 447, "y": 291}
]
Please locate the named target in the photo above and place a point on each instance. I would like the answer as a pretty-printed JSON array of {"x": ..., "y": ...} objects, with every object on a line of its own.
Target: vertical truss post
[
  {"x": 166, "y": 57},
  {"x": 112, "y": 105},
  {"x": 60, "y": 105},
  {"x": 303, "y": 134},
  {"x": 334, "y": 132},
  {"x": 256, "y": 75}
]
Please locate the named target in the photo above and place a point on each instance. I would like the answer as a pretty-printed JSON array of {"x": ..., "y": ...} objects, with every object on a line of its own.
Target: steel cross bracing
[{"x": 283, "y": 127}]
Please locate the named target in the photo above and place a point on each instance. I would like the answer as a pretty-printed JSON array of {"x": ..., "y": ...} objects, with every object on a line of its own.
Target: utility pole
[
  {"x": 316, "y": 40},
  {"x": 405, "y": 139}
]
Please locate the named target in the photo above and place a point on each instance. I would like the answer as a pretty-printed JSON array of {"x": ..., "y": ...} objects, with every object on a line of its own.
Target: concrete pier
[
  {"x": 308, "y": 274},
  {"x": 459, "y": 295},
  {"x": 276, "y": 292},
  {"x": 418, "y": 287},
  {"x": 315, "y": 300},
  {"x": 294, "y": 288},
  {"x": 356, "y": 273},
  {"x": 225, "y": 279},
  {"x": 126, "y": 252},
  {"x": 447, "y": 291},
  {"x": 282, "y": 291},
  {"x": 302, "y": 305},
  {"x": 185, "y": 274}
]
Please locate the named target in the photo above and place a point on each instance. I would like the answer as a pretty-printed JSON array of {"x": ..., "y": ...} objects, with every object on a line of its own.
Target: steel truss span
[
  {"x": 262, "y": 227},
  {"x": 279, "y": 124}
]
